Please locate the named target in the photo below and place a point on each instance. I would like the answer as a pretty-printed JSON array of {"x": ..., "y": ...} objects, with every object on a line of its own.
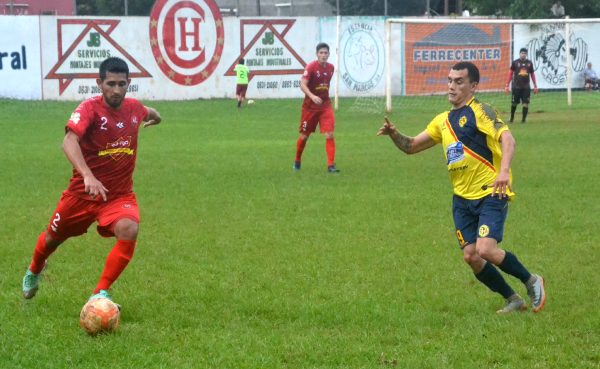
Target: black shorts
[
  {"x": 521, "y": 94},
  {"x": 479, "y": 218}
]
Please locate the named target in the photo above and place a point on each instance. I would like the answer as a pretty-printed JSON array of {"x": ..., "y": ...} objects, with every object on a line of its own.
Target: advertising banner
[
  {"x": 546, "y": 46},
  {"x": 432, "y": 49},
  {"x": 362, "y": 54},
  {"x": 184, "y": 50},
  {"x": 20, "y": 76}
]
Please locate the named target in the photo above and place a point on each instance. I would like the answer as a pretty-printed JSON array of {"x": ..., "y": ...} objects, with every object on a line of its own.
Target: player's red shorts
[
  {"x": 240, "y": 90},
  {"x": 310, "y": 119},
  {"x": 74, "y": 215}
]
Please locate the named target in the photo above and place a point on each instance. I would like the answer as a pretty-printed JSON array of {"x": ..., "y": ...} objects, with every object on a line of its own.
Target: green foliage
[
  {"x": 533, "y": 9},
  {"x": 243, "y": 263},
  {"x": 377, "y": 7},
  {"x": 529, "y": 9},
  {"x": 114, "y": 7}
]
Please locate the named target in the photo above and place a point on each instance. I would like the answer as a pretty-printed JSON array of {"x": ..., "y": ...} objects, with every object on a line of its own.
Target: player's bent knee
[
  {"x": 126, "y": 229},
  {"x": 486, "y": 248},
  {"x": 470, "y": 255},
  {"x": 51, "y": 242}
]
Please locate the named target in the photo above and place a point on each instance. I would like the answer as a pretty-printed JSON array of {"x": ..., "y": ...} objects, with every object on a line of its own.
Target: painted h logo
[
  {"x": 195, "y": 33},
  {"x": 169, "y": 35}
]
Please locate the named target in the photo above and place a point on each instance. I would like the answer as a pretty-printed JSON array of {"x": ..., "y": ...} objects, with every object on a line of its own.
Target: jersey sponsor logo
[
  {"x": 455, "y": 152},
  {"x": 523, "y": 72},
  {"x": 118, "y": 149},
  {"x": 462, "y": 121},
  {"x": 458, "y": 168},
  {"x": 75, "y": 117},
  {"x": 81, "y": 58},
  {"x": 484, "y": 231},
  {"x": 187, "y": 39}
]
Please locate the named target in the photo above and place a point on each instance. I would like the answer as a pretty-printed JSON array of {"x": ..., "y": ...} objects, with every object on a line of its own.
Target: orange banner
[{"x": 432, "y": 49}]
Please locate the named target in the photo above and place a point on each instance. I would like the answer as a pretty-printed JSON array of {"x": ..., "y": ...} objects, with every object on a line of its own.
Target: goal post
[{"x": 559, "y": 50}]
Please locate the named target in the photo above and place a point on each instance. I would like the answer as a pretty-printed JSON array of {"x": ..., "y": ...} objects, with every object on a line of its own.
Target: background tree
[
  {"x": 114, "y": 7},
  {"x": 533, "y": 9},
  {"x": 396, "y": 8}
]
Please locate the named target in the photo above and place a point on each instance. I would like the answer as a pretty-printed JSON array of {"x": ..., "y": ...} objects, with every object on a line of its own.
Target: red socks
[
  {"x": 116, "y": 262},
  {"x": 300, "y": 145},
  {"x": 40, "y": 255},
  {"x": 330, "y": 148}
]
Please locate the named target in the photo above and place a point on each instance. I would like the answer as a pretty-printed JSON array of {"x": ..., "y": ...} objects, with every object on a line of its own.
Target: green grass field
[{"x": 243, "y": 263}]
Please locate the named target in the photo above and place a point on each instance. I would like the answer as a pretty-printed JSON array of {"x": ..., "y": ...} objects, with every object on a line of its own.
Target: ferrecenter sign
[
  {"x": 431, "y": 50},
  {"x": 187, "y": 39}
]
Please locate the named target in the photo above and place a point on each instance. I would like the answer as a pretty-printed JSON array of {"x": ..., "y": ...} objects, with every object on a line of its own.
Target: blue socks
[
  {"x": 491, "y": 277},
  {"x": 511, "y": 265}
]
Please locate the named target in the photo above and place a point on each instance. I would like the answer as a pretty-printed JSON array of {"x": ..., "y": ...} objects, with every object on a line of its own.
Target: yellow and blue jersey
[{"x": 470, "y": 137}]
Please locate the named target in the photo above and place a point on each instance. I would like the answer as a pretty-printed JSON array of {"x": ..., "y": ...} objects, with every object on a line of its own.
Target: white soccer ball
[
  {"x": 100, "y": 316},
  {"x": 250, "y": 102}
]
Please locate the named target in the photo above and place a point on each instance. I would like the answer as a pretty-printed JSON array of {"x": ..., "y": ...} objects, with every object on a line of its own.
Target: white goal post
[{"x": 571, "y": 51}]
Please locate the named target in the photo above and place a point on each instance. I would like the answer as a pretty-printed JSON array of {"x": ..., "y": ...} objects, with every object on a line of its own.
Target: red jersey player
[
  {"x": 101, "y": 144},
  {"x": 316, "y": 108}
]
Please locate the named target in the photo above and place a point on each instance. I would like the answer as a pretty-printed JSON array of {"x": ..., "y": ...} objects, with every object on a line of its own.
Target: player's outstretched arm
[
  {"x": 73, "y": 152},
  {"x": 153, "y": 118},
  {"x": 502, "y": 182},
  {"x": 408, "y": 145}
]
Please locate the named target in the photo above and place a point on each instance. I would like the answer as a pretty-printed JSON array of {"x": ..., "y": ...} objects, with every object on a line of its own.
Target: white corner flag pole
[{"x": 337, "y": 68}]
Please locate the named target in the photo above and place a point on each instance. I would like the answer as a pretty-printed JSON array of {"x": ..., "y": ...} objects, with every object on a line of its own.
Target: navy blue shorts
[{"x": 479, "y": 218}]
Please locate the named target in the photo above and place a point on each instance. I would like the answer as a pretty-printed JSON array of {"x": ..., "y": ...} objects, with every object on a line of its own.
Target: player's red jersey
[
  {"x": 318, "y": 77},
  {"x": 108, "y": 140}
]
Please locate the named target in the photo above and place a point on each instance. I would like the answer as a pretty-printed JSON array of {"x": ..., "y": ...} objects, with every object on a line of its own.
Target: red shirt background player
[
  {"x": 101, "y": 144},
  {"x": 316, "y": 108}
]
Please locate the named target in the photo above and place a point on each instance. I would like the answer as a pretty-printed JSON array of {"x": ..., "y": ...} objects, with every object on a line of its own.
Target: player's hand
[
  {"x": 507, "y": 89},
  {"x": 154, "y": 118},
  {"x": 502, "y": 185},
  {"x": 316, "y": 99},
  {"x": 388, "y": 128},
  {"x": 94, "y": 187},
  {"x": 152, "y": 122},
  {"x": 535, "y": 90}
]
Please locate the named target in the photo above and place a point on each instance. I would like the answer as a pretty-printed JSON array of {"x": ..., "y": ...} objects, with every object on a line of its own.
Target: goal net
[{"x": 559, "y": 51}]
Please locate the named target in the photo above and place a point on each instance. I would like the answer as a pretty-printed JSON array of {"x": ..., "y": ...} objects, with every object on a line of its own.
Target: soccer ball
[
  {"x": 250, "y": 102},
  {"x": 100, "y": 316}
]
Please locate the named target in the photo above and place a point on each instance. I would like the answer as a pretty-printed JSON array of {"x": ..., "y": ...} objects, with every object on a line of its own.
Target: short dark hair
[
  {"x": 242, "y": 61},
  {"x": 523, "y": 49},
  {"x": 472, "y": 70},
  {"x": 113, "y": 65},
  {"x": 322, "y": 45}
]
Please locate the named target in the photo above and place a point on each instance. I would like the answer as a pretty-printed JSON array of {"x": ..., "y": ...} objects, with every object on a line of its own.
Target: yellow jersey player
[{"x": 479, "y": 149}]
